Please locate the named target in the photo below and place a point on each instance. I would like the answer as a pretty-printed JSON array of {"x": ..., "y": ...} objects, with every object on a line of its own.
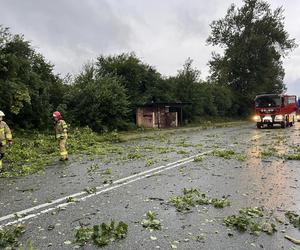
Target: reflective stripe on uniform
[
  {"x": 0, "y": 164},
  {"x": 1, "y": 129},
  {"x": 9, "y": 137},
  {"x": 3, "y": 143},
  {"x": 65, "y": 127},
  {"x": 59, "y": 135},
  {"x": 63, "y": 153}
]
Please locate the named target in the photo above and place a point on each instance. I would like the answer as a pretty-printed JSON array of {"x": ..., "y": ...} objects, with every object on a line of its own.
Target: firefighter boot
[{"x": 1, "y": 157}]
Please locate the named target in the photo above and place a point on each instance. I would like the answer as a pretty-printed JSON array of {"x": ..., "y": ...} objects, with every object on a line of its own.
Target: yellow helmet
[{"x": 1, "y": 113}]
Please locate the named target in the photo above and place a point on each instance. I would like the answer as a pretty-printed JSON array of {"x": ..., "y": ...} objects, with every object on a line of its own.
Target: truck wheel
[
  {"x": 258, "y": 125},
  {"x": 283, "y": 124}
]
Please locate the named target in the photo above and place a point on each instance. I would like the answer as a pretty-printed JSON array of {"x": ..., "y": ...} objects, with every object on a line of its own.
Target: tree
[
  {"x": 98, "y": 101},
  {"x": 13, "y": 66},
  {"x": 139, "y": 79},
  {"x": 29, "y": 88},
  {"x": 254, "y": 42},
  {"x": 188, "y": 87}
]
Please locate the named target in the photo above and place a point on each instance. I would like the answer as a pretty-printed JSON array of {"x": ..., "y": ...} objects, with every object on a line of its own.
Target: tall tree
[
  {"x": 29, "y": 89},
  {"x": 98, "y": 101},
  {"x": 187, "y": 83},
  {"x": 139, "y": 79},
  {"x": 254, "y": 42},
  {"x": 14, "y": 65}
]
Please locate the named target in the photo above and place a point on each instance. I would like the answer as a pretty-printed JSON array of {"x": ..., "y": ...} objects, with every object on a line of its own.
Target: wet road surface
[{"x": 144, "y": 174}]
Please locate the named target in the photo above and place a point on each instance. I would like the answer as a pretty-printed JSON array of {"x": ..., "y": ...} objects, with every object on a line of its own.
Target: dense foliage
[
  {"x": 99, "y": 101},
  {"x": 105, "y": 94},
  {"x": 254, "y": 42},
  {"x": 29, "y": 89}
]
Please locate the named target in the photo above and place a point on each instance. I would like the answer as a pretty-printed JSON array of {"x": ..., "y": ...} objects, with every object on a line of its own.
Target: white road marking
[{"x": 102, "y": 189}]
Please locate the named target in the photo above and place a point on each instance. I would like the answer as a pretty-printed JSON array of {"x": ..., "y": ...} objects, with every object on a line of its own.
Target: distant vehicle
[
  {"x": 271, "y": 109},
  {"x": 298, "y": 111}
]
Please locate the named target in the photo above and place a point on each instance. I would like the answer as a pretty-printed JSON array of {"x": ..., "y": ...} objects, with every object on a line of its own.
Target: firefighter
[
  {"x": 5, "y": 137},
  {"x": 61, "y": 134}
]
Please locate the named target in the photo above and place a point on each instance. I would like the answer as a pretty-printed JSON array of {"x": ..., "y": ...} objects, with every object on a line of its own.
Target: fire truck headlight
[
  {"x": 279, "y": 118},
  {"x": 298, "y": 117},
  {"x": 256, "y": 118}
]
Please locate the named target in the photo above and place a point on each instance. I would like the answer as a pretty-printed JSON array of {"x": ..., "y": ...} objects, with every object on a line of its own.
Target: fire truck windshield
[{"x": 267, "y": 101}]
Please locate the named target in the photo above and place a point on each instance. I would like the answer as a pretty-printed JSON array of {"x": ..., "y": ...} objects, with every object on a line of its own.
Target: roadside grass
[
  {"x": 134, "y": 155},
  {"x": 207, "y": 122},
  {"x": 183, "y": 143},
  {"x": 164, "y": 150},
  {"x": 151, "y": 133},
  {"x": 31, "y": 152},
  {"x": 182, "y": 152}
]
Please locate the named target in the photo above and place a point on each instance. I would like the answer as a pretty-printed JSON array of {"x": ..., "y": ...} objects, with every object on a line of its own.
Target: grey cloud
[
  {"x": 70, "y": 22},
  {"x": 294, "y": 87},
  {"x": 162, "y": 33},
  {"x": 68, "y": 32}
]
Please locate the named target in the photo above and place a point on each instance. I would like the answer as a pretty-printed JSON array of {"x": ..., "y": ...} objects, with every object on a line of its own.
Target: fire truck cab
[{"x": 271, "y": 109}]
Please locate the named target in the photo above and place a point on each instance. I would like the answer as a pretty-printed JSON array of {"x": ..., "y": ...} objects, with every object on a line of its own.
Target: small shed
[{"x": 160, "y": 115}]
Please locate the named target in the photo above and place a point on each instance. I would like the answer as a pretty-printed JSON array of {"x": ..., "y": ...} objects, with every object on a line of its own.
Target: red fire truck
[{"x": 273, "y": 109}]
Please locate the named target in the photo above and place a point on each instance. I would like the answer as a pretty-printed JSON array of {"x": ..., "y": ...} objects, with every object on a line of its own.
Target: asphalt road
[{"x": 144, "y": 174}]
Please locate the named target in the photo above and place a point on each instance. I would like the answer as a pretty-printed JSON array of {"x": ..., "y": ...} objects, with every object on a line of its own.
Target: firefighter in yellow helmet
[
  {"x": 5, "y": 137},
  {"x": 61, "y": 133}
]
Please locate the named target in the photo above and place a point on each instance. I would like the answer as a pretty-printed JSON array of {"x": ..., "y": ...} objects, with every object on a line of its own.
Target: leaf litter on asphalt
[
  {"x": 9, "y": 236},
  {"x": 151, "y": 221},
  {"x": 255, "y": 220},
  {"x": 101, "y": 235},
  {"x": 193, "y": 197}
]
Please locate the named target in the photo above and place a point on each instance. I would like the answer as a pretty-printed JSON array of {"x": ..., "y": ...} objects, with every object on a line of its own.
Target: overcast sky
[{"x": 163, "y": 34}]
